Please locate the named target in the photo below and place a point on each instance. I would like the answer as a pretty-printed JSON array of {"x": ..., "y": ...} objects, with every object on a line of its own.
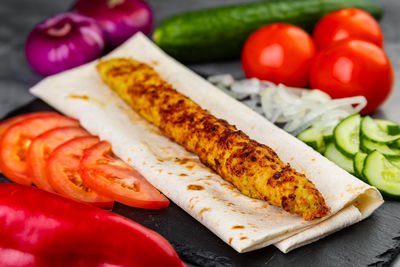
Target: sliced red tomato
[
  {"x": 17, "y": 138},
  {"x": 41, "y": 148},
  {"x": 8, "y": 122},
  {"x": 63, "y": 172},
  {"x": 101, "y": 170}
]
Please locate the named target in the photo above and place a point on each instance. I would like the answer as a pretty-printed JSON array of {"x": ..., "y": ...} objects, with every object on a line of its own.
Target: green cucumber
[
  {"x": 219, "y": 33},
  {"x": 395, "y": 162},
  {"x": 333, "y": 154},
  {"x": 359, "y": 160},
  {"x": 391, "y": 127},
  {"x": 347, "y": 135},
  {"x": 380, "y": 173},
  {"x": 371, "y": 130},
  {"x": 313, "y": 138},
  {"x": 369, "y": 146}
]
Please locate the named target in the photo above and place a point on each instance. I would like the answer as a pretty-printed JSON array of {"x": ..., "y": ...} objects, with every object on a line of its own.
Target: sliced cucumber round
[
  {"x": 391, "y": 127},
  {"x": 371, "y": 130},
  {"x": 359, "y": 160},
  {"x": 333, "y": 154},
  {"x": 380, "y": 173},
  {"x": 312, "y": 138},
  {"x": 395, "y": 162},
  {"x": 347, "y": 135},
  {"x": 369, "y": 146}
]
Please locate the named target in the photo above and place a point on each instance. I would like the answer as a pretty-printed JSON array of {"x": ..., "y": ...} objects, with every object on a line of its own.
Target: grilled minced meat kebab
[{"x": 254, "y": 168}]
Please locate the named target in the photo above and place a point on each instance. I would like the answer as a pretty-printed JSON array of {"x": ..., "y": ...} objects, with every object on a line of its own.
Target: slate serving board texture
[{"x": 374, "y": 241}]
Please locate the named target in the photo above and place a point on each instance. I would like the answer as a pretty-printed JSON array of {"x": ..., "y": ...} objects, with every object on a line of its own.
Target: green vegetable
[
  {"x": 395, "y": 162},
  {"x": 347, "y": 135},
  {"x": 313, "y": 138},
  {"x": 359, "y": 160},
  {"x": 371, "y": 130},
  {"x": 391, "y": 127},
  {"x": 369, "y": 146},
  {"x": 380, "y": 173},
  {"x": 333, "y": 154},
  {"x": 219, "y": 33}
]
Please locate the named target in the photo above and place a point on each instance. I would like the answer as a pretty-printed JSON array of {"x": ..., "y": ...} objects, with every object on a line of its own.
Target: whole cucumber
[{"x": 219, "y": 33}]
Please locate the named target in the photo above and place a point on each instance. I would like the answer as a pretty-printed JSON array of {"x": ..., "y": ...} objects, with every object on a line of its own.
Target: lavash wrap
[{"x": 244, "y": 223}]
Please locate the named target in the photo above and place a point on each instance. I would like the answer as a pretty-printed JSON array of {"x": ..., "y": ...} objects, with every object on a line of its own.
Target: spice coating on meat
[{"x": 254, "y": 168}]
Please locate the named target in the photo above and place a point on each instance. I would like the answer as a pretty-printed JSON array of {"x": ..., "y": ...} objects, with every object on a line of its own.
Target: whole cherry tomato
[
  {"x": 353, "y": 67},
  {"x": 280, "y": 53},
  {"x": 348, "y": 23}
]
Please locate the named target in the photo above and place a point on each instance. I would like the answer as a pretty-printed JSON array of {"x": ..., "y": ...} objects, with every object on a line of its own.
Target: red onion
[
  {"x": 63, "y": 42},
  {"x": 119, "y": 19}
]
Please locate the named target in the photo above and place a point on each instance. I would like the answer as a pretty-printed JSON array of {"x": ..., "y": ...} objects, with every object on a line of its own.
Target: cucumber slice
[
  {"x": 328, "y": 138},
  {"x": 313, "y": 138},
  {"x": 327, "y": 134},
  {"x": 395, "y": 162},
  {"x": 359, "y": 160},
  {"x": 395, "y": 144},
  {"x": 333, "y": 154},
  {"x": 391, "y": 127},
  {"x": 371, "y": 131},
  {"x": 369, "y": 146},
  {"x": 347, "y": 135},
  {"x": 382, "y": 174}
]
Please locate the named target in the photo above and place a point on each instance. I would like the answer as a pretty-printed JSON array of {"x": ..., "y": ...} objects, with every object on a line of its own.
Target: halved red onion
[
  {"x": 63, "y": 42},
  {"x": 119, "y": 19}
]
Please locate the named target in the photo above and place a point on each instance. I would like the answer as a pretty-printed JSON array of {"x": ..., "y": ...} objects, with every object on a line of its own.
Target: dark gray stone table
[{"x": 372, "y": 241}]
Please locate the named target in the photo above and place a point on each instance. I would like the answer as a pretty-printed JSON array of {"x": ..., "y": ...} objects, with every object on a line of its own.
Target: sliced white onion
[
  {"x": 250, "y": 86},
  {"x": 225, "y": 80},
  {"x": 295, "y": 108}
]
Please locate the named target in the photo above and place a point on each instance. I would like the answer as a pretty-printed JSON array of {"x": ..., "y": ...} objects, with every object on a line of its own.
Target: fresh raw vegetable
[
  {"x": 389, "y": 127},
  {"x": 378, "y": 166},
  {"x": 347, "y": 135},
  {"x": 101, "y": 170},
  {"x": 333, "y": 154},
  {"x": 63, "y": 172},
  {"x": 295, "y": 109},
  {"x": 369, "y": 147},
  {"x": 371, "y": 130},
  {"x": 63, "y": 42},
  {"x": 219, "y": 33},
  {"x": 119, "y": 19},
  {"x": 352, "y": 68},
  {"x": 41, "y": 148},
  {"x": 17, "y": 138},
  {"x": 314, "y": 138},
  {"x": 42, "y": 229},
  {"x": 4, "y": 125},
  {"x": 380, "y": 173},
  {"x": 359, "y": 160},
  {"x": 280, "y": 53},
  {"x": 348, "y": 23}
]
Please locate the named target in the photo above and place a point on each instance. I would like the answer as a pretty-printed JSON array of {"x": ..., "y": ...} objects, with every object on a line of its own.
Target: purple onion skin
[
  {"x": 119, "y": 19},
  {"x": 63, "y": 42}
]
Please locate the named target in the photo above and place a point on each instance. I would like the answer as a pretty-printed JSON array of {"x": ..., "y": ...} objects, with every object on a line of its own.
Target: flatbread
[{"x": 244, "y": 223}]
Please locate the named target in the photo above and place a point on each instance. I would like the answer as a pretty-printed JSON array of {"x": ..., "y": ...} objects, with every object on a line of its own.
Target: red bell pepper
[{"x": 38, "y": 228}]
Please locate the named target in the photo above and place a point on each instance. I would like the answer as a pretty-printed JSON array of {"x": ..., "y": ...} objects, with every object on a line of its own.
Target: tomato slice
[
  {"x": 101, "y": 170},
  {"x": 41, "y": 148},
  {"x": 17, "y": 138},
  {"x": 63, "y": 172},
  {"x": 8, "y": 122}
]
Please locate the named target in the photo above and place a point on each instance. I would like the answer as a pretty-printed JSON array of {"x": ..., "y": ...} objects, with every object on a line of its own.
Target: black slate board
[{"x": 374, "y": 241}]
